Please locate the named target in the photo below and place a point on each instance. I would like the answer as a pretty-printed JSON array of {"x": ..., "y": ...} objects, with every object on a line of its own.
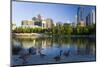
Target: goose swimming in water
[
  {"x": 32, "y": 50},
  {"x": 41, "y": 54},
  {"x": 24, "y": 55},
  {"x": 66, "y": 53},
  {"x": 58, "y": 57}
]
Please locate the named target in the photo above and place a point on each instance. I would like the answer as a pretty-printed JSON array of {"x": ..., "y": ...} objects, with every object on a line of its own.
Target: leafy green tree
[{"x": 68, "y": 29}]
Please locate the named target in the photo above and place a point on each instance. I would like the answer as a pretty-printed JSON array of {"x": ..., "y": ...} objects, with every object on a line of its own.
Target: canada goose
[
  {"x": 41, "y": 54},
  {"x": 32, "y": 50},
  {"x": 24, "y": 54},
  {"x": 24, "y": 58},
  {"x": 66, "y": 53},
  {"x": 58, "y": 57}
]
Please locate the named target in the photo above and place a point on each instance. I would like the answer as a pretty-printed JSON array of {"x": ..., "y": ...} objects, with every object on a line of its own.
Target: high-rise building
[
  {"x": 90, "y": 18},
  {"x": 44, "y": 24},
  {"x": 94, "y": 16},
  {"x": 75, "y": 23},
  {"x": 27, "y": 23},
  {"x": 38, "y": 22},
  {"x": 49, "y": 23},
  {"x": 80, "y": 14}
]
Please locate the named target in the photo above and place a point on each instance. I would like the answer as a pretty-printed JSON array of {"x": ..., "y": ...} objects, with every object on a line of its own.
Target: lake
[{"x": 51, "y": 50}]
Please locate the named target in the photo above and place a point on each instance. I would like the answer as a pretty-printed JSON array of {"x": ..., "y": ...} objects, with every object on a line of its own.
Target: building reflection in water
[{"x": 77, "y": 46}]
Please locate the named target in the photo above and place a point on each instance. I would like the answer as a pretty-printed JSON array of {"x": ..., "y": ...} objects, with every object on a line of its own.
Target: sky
[{"x": 57, "y": 12}]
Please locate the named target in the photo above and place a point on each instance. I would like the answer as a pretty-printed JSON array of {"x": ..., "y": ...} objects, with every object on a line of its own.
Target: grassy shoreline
[{"x": 38, "y": 35}]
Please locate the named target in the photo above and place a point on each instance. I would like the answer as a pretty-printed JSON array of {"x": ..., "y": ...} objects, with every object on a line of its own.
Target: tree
[{"x": 68, "y": 29}]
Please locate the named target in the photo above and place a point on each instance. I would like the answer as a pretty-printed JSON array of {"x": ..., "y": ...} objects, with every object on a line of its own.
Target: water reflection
[{"x": 55, "y": 50}]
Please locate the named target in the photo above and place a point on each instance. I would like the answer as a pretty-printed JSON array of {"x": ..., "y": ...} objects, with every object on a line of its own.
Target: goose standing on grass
[
  {"x": 66, "y": 53},
  {"x": 58, "y": 57}
]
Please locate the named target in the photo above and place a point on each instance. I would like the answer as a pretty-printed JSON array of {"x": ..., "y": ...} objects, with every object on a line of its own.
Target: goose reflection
[
  {"x": 58, "y": 57},
  {"x": 66, "y": 53}
]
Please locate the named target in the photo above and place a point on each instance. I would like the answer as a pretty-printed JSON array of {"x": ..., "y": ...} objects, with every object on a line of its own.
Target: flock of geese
[{"x": 32, "y": 51}]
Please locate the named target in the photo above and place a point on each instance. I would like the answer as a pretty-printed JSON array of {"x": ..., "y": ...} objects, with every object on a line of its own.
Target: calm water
[{"x": 52, "y": 50}]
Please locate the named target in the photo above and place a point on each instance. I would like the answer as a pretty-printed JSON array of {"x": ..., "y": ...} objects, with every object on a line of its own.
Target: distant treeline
[{"x": 60, "y": 30}]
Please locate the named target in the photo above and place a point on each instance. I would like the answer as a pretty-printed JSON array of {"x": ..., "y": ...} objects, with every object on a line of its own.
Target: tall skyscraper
[
  {"x": 75, "y": 23},
  {"x": 94, "y": 16},
  {"x": 80, "y": 13},
  {"x": 90, "y": 18}
]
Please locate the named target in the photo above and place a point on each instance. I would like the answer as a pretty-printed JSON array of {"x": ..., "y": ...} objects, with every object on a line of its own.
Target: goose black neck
[{"x": 60, "y": 53}]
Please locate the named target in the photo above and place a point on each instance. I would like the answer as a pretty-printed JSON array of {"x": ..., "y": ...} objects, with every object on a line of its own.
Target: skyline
[{"x": 57, "y": 12}]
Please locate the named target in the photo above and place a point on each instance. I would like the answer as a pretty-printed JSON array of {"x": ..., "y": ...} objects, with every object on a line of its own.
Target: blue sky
[{"x": 57, "y": 12}]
